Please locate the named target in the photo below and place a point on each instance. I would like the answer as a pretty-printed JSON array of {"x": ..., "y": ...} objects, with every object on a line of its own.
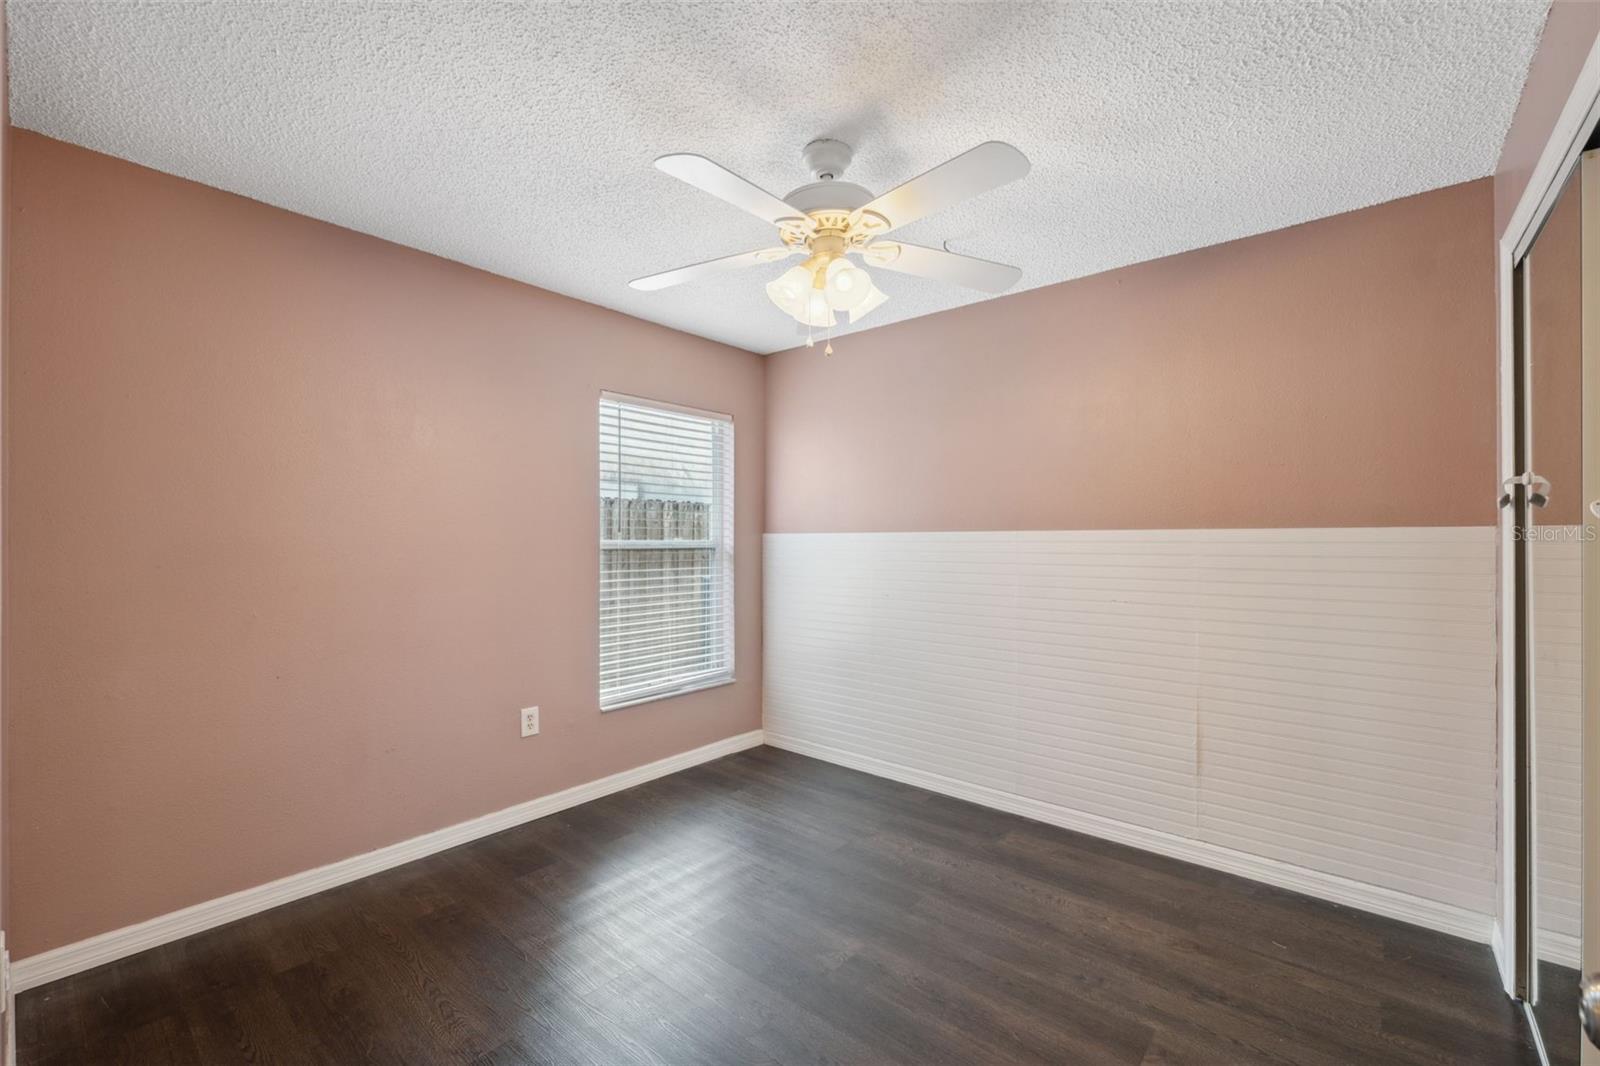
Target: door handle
[
  {"x": 1588, "y": 1005},
  {"x": 1538, "y": 489}
]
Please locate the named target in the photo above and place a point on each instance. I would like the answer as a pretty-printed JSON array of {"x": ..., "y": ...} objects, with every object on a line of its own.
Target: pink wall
[
  {"x": 298, "y": 520},
  {"x": 1569, "y": 34},
  {"x": 1338, "y": 373}
]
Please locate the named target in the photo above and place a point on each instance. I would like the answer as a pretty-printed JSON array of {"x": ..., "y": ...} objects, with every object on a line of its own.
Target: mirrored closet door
[
  {"x": 1551, "y": 511},
  {"x": 1555, "y": 505}
]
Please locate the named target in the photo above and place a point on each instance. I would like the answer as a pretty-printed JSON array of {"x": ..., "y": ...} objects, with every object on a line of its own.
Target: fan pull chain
[{"x": 829, "y": 349}]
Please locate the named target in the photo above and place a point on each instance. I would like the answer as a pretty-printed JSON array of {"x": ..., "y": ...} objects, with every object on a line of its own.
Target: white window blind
[{"x": 666, "y": 550}]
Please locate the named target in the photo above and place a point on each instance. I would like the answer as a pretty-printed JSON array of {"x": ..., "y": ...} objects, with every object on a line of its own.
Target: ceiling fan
[{"x": 832, "y": 219}]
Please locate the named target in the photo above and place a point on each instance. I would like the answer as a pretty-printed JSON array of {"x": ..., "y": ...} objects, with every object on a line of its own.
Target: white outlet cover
[{"x": 530, "y": 721}]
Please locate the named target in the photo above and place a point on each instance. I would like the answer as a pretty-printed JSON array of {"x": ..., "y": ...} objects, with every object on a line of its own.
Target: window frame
[{"x": 720, "y": 542}]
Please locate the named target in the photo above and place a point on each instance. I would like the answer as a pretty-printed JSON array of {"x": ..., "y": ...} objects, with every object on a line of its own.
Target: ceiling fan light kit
[{"x": 830, "y": 220}]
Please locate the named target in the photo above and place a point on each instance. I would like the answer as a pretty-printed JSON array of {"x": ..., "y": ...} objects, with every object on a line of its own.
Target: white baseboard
[
  {"x": 36, "y": 970},
  {"x": 1497, "y": 947},
  {"x": 1374, "y": 898},
  {"x": 8, "y": 991}
]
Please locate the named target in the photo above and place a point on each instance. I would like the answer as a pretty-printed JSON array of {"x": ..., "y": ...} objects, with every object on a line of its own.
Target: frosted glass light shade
[
  {"x": 874, "y": 299},
  {"x": 815, "y": 311},
  {"x": 847, "y": 285},
  {"x": 789, "y": 291}
]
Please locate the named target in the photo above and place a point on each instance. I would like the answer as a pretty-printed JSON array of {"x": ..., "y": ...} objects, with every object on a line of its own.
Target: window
[{"x": 666, "y": 550}]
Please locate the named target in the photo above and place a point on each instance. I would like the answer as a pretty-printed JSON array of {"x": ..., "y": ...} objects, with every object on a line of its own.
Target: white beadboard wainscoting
[
  {"x": 1311, "y": 707},
  {"x": 1557, "y": 738}
]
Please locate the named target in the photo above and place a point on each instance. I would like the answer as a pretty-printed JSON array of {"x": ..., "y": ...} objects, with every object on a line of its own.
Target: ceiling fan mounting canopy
[{"x": 826, "y": 158}]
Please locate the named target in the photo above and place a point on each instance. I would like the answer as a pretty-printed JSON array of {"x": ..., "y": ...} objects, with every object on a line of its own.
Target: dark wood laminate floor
[{"x": 769, "y": 908}]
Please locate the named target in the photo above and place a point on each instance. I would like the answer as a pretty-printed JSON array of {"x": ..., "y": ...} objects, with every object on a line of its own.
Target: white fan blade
[
  {"x": 724, "y": 184},
  {"x": 941, "y": 265},
  {"x": 988, "y": 166},
  {"x": 712, "y": 266}
]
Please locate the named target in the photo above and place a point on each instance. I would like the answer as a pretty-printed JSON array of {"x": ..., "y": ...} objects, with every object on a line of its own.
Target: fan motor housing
[{"x": 828, "y": 196}]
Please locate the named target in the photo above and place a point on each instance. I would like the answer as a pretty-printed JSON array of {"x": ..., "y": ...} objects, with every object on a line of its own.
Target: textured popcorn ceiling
[{"x": 518, "y": 137}]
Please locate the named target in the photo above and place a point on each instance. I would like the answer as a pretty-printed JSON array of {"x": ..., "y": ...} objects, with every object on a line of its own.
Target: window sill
[{"x": 655, "y": 697}]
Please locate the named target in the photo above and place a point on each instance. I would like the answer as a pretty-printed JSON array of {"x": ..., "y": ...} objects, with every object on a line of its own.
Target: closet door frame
[{"x": 1511, "y": 934}]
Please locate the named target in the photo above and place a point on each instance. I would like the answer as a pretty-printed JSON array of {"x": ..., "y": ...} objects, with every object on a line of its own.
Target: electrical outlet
[{"x": 530, "y": 721}]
